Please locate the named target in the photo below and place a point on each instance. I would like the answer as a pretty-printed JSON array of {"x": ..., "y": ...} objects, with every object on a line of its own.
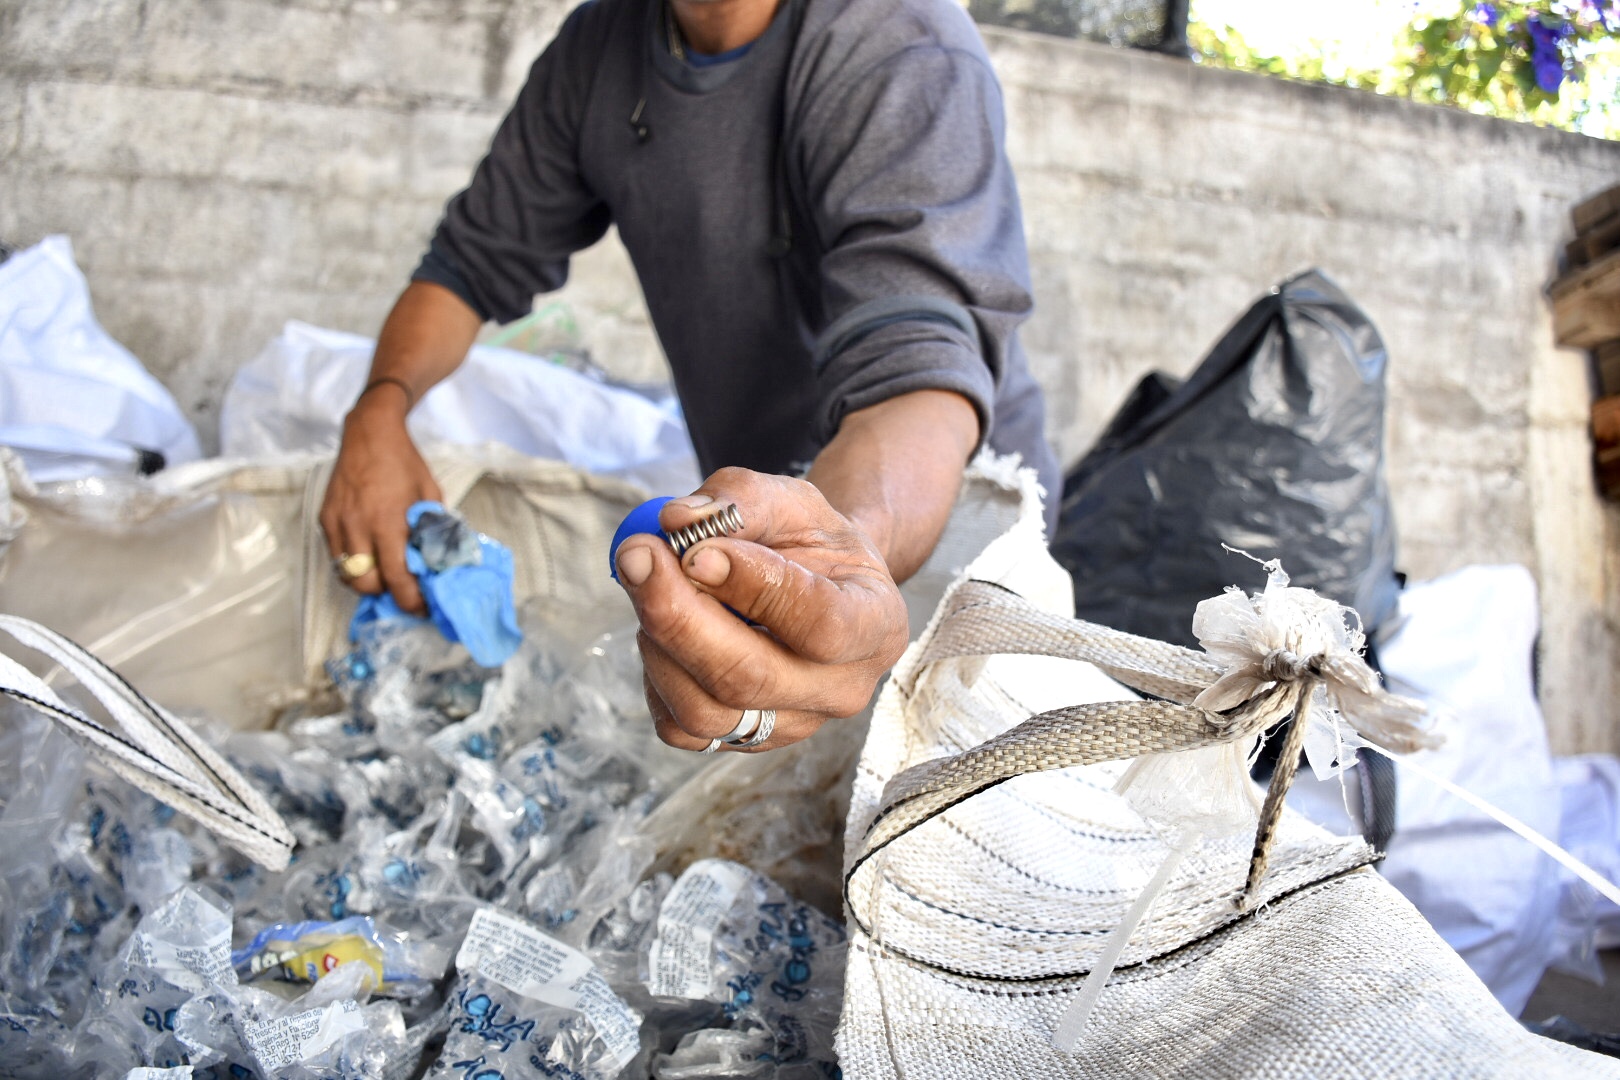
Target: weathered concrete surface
[{"x": 225, "y": 166}]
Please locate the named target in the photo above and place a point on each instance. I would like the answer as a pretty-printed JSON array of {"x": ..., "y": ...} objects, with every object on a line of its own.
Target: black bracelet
[{"x": 410, "y": 398}]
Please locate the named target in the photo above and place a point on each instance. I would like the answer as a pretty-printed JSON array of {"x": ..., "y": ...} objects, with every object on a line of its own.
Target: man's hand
[
  {"x": 378, "y": 474},
  {"x": 815, "y": 565},
  {"x": 831, "y": 619}
]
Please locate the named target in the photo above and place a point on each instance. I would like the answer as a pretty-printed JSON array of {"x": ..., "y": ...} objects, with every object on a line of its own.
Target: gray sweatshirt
[{"x": 819, "y": 225}]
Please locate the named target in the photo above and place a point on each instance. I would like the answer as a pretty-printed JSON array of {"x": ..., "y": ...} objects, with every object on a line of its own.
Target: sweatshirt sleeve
[
  {"x": 509, "y": 234},
  {"x": 925, "y": 276}
]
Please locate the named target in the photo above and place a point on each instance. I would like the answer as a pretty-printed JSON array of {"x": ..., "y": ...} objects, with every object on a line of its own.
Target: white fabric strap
[{"x": 148, "y": 746}]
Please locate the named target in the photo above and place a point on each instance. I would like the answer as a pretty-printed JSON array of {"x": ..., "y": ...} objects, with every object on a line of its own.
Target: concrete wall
[{"x": 225, "y": 165}]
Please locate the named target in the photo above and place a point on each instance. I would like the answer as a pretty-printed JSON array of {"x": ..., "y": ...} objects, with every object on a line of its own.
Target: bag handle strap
[
  {"x": 978, "y": 618},
  {"x": 148, "y": 746},
  {"x": 1060, "y": 739}
]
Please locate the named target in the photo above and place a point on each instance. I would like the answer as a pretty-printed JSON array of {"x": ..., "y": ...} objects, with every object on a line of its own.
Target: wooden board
[
  {"x": 1607, "y": 467},
  {"x": 1594, "y": 243},
  {"x": 1606, "y": 422},
  {"x": 1595, "y": 209},
  {"x": 1586, "y": 304},
  {"x": 1606, "y": 444},
  {"x": 1607, "y": 359}
]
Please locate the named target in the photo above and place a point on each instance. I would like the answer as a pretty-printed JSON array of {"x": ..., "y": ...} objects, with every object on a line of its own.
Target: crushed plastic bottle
[{"x": 443, "y": 802}]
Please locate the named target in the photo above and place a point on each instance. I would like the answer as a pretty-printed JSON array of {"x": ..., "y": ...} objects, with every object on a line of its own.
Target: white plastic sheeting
[
  {"x": 1590, "y": 830},
  {"x": 292, "y": 397},
  {"x": 1464, "y": 645},
  {"x": 73, "y": 401}
]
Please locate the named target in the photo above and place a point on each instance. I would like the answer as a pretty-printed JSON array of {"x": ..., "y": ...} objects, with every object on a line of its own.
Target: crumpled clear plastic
[
  {"x": 775, "y": 966},
  {"x": 436, "y": 790},
  {"x": 525, "y": 1005}
]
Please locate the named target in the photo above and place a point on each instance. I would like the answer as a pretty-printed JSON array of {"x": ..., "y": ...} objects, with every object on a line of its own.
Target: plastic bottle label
[
  {"x": 680, "y": 963},
  {"x": 195, "y": 967},
  {"x": 526, "y": 961},
  {"x": 288, "y": 1040}
]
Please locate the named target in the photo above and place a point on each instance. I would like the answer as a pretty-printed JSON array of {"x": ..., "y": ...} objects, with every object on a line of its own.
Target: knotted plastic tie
[
  {"x": 1282, "y": 651},
  {"x": 1288, "y": 650}
]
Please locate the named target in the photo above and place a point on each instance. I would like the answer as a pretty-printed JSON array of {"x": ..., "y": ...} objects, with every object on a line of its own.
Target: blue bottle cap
[{"x": 643, "y": 519}]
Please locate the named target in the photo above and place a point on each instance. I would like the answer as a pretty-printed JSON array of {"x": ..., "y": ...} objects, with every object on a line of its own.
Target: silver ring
[
  {"x": 714, "y": 744},
  {"x": 747, "y": 724},
  {"x": 767, "y": 724}
]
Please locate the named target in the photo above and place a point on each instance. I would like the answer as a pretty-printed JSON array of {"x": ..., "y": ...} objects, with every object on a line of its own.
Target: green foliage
[
  {"x": 1226, "y": 47},
  {"x": 1551, "y": 62}
]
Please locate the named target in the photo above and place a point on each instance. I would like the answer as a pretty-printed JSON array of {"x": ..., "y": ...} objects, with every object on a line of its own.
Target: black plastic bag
[{"x": 1274, "y": 446}]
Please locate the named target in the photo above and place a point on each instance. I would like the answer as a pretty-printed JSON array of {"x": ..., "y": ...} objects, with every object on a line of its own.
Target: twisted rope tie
[
  {"x": 1282, "y": 778},
  {"x": 1281, "y": 665}
]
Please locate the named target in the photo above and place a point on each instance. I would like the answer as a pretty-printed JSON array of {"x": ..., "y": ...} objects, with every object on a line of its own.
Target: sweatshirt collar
[{"x": 701, "y": 80}]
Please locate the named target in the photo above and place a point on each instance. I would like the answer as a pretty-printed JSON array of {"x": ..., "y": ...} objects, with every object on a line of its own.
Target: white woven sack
[
  {"x": 974, "y": 922},
  {"x": 210, "y": 585}
]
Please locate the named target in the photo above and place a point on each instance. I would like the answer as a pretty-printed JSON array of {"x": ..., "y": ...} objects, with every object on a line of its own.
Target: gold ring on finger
[{"x": 350, "y": 567}]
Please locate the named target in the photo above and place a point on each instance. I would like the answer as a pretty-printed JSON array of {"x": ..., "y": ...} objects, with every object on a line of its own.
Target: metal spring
[{"x": 719, "y": 523}]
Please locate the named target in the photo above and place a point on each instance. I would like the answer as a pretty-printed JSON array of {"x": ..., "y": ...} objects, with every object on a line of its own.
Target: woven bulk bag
[{"x": 989, "y": 863}]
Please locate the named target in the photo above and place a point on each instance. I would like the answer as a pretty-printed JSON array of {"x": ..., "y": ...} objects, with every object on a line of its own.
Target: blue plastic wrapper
[{"x": 466, "y": 581}]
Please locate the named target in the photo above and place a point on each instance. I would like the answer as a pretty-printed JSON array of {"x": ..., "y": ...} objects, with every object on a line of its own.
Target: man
[{"x": 819, "y": 207}]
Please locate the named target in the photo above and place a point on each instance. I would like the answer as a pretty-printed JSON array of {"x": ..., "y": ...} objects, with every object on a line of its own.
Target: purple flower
[
  {"x": 1484, "y": 13},
  {"x": 1549, "y": 74},
  {"x": 1545, "y": 57}
]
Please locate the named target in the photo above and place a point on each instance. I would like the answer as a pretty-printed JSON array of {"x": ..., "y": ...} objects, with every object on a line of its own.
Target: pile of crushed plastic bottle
[{"x": 472, "y": 895}]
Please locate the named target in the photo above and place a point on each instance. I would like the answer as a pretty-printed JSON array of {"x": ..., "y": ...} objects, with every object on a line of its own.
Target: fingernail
[
  {"x": 708, "y": 567},
  {"x": 693, "y": 501},
  {"x": 635, "y": 564}
]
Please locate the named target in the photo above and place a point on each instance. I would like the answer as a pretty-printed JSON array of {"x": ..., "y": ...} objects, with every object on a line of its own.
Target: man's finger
[
  {"x": 668, "y": 729},
  {"x": 730, "y": 661},
  {"x": 398, "y": 577},
  {"x": 777, "y": 511},
  {"x": 843, "y": 619},
  {"x": 790, "y": 727},
  {"x": 753, "y": 670},
  {"x": 332, "y": 529},
  {"x": 356, "y": 542},
  {"x": 692, "y": 707}
]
